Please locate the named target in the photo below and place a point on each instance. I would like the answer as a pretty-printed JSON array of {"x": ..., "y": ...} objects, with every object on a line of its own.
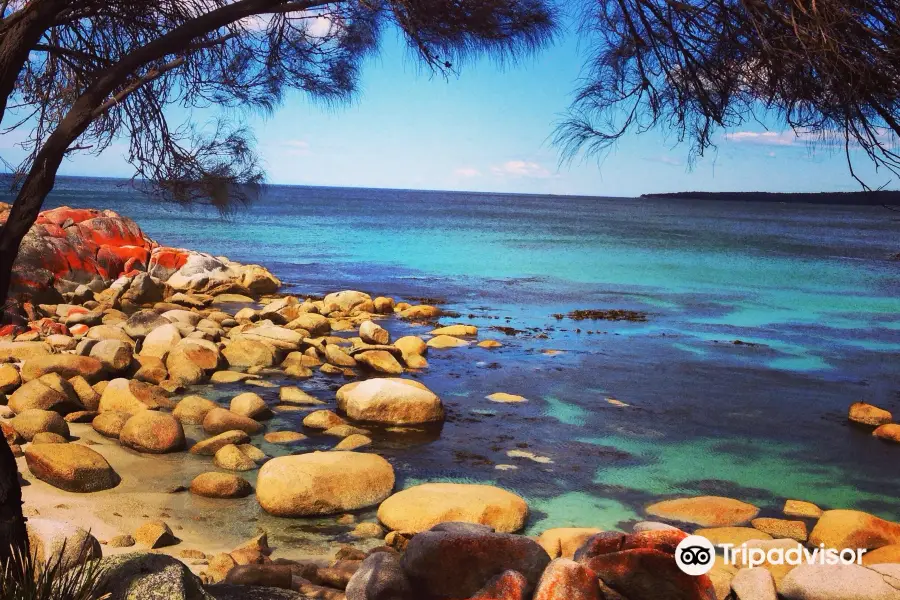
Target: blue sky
[{"x": 489, "y": 130}]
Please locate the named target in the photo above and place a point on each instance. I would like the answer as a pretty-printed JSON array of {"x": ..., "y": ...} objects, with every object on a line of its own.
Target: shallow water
[{"x": 811, "y": 288}]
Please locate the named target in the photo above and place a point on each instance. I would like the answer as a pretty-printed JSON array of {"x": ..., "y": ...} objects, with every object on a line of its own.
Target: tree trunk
[{"x": 13, "y": 536}]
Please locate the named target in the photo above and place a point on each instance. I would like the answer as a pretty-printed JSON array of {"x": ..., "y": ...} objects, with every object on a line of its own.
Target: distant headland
[{"x": 874, "y": 198}]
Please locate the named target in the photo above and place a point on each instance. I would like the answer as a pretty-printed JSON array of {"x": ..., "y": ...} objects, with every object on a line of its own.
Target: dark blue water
[{"x": 812, "y": 288}]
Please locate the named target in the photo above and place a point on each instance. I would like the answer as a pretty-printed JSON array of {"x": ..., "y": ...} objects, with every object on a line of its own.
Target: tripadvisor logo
[{"x": 696, "y": 555}]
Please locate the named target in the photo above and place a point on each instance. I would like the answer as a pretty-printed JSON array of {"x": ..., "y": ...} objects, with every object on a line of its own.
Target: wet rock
[
  {"x": 380, "y": 361},
  {"x": 70, "y": 467},
  {"x": 800, "y": 508},
  {"x": 505, "y": 398},
  {"x": 706, "y": 511},
  {"x": 564, "y": 541},
  {"x": 781, "y": 528},
  {"x": 323, "y": 483},
  {"x": 31, "y": 422},
  {"x": 129, "y": 396},
  {"x": 193, "y": 409},
  {"x": 322, "y": 419},
  {"x": 380, "y": 577},
  {"x": 446, "y": 341},
  {"x": 210, "y": 446},
  {"x": 389, "y": 400},
  {"x": 889, "y": 432},
  {"x": 421, "y": 507},
  {"x": 372, "y": 333},
  {"x": 838, "y": 582},
  {"x": 61, "y": 543},
  {"x": 853, "y": 529},
  {"x": 456, "y": 560},
  {"x": 250, "y": 405},
  {"x": 345, "y": 430},
  {"x": 867, "y": 414},
  {"x": 489, "y": 344},
  {"x": 49, "y": 392},
  {"x": 231, "y": 377},
  {"x": 153, "y": 432},
  {"x": 353, "y": 441},
  {"x": 220, "y": 485},
  {"x": 230, "y": 457},
  {"x": 220, "y": 420},
  {"x": 64, "y": 365},
  {"x": 284, "y": 437}
]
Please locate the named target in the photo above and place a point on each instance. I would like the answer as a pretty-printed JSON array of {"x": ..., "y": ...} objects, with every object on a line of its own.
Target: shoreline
[{"x": 216, "y": 334}]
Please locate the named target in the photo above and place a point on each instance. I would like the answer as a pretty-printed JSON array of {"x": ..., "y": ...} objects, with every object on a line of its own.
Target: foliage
[{"x": 25, "y": 578}]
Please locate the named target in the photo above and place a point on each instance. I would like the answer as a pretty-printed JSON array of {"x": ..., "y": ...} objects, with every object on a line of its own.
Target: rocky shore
[{"x": 105, "y": 400}]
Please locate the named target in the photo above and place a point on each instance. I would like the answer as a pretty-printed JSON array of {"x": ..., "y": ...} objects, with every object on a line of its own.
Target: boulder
[
  {"x": 456, "y": 330},
  {"x": 566, "y": 579},
  {"x": 706, "y": 511},
  {"x": 380, "y": 361},
  {"x": 386, "y": 400},
  {"x": 130, "y": 396},
  {"x": 383, "y": 305},
  {"x": 155, "y": 534},
  {"x": 245, "y": 352},
  {"x": 853, "y": 529},
  {"x": 372, "y": 333},
  {"x": 353, "y": 441},
  {"x": 732, "y": 535},
  {"x": 65, "y": 365},
  {"x": 210, "y": 446},
  {"x": 345, "y": 301},
  {"x": 322, "y": 419},
  {"x": 220, "y": 420},
  {"x": 231, "y": 458},
  {"x": 259, "y": 280},
  {"x": 59, "y": 543},
  {"x": 150, "y": 369},
  {"x": 564, "y": 541},
  {"x": 641, "y": 566},
  {"x": 800, "y": 508},
  {"x": 380, "y": 577},
  {"x": 421, "y": 312},
  {"x": 70, "y": 467},
  {"x": 220, "y": 485},
  {"x": 446, "y": 341},
  {"x": 114, "y": 355},
  {"x": 312, "y": 323},
  {"x": 781, "y": 528},
  {"x": 23, "y": 351},
  {"x": 421, "y": 507},
  {"x": 508, "y": 585},
  {"x": 33, "y": 421},
  {"x": 456, "y": 560},
  {"x": 323, "y": 483},
  {"x": 838, "y": 582},
  {"x": 754, "y": 584},
  {"x": 150, "y": 576},
  {"x": 889, "y": 432},
  {"x": 279, "y": 338},
  {"x": 883, "y": 555},
  {"x": 46, "y": 437},
  {"x": 160, "y": 341},
  {"x": 141, "y": 323},
  {"x": 867, "y": 414},
  {"x": 49, "y": 392},
  {"x": 144, "y": 289},
  {"x": 152, "y": 432},
  {"x": 336, "y": 356},
  {"x": 250, "y": 405},
  {"x": 294, "y": 395},
  {"x": 181, "y": 369},
  {"x": 193, "y": 409},
  {"x": 9, "y": 378},
  {"x": 110, "y": 424},
  {"x": 411, "y": 344},
  {"x": 109, "y": 332}
]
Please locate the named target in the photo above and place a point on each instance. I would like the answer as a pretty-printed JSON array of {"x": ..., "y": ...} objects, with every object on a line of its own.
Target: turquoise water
[{"x": 811, "y": 291}]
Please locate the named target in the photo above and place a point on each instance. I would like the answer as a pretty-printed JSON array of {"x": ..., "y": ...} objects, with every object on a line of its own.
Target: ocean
[{"x": 765, "y": 321}]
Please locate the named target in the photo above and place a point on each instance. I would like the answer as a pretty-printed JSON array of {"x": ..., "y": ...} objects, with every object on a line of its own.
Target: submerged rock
[
  {"x": 706, "y": 511},
  {"x": 867, "y": 414}
]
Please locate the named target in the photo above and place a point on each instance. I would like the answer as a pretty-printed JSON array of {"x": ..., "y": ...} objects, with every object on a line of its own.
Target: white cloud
[
  {"x": 521, "y": 168},
  {"x": 767, "y": 138},
  {"x": 467, "y": 172}
]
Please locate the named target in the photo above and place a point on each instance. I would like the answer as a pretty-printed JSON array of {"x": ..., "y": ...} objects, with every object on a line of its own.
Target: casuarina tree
[{"x": 77, "y": 75}]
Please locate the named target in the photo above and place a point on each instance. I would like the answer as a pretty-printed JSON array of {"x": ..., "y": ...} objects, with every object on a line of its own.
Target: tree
[
  {"x": 79, "y": 74},
  {"x": 829, "y": 69}
]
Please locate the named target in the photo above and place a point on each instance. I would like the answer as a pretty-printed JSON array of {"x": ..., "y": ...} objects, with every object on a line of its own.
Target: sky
[{"x": 488, "y": 129}]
